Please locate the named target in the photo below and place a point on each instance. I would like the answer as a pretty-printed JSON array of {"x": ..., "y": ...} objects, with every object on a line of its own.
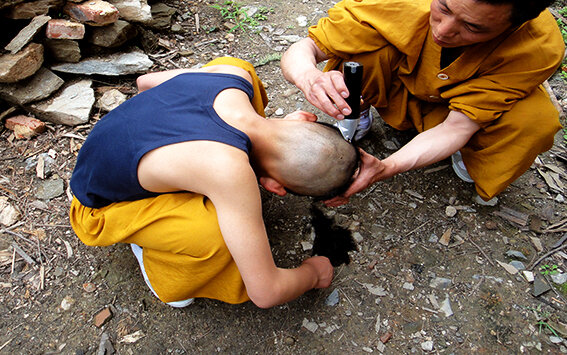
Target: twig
[
  {"x": 417, "y": 228},
  {"x": 23, "y": 254},
  {"x": 482, "y": 251},
  {"x": 552, "y": 251}
]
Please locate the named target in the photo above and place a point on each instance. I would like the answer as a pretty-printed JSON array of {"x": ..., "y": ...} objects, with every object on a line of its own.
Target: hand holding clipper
[{"x": 353, "y": 79}]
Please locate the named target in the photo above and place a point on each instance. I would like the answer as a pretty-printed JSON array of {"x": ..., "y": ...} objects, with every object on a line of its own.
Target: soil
[{"x": 392, "y": 296}]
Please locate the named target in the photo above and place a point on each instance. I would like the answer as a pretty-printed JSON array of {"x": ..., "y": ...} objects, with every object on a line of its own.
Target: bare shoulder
[
  {"x": 228, "y": 69},
  {"x": 197, "y": 166}
]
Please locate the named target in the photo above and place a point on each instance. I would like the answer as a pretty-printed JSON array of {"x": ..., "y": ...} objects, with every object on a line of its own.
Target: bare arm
[
  {"x": 148, "y": 81},
  {"x": 325, "y": 91},
  {"x": 424, "y": 149},
  {"x": 225, "y": 176}
]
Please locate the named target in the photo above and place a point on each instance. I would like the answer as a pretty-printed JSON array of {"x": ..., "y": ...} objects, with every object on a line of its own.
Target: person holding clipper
[
  {"x": 174, "y": 172},
  {"x": 466, "y": 74}
]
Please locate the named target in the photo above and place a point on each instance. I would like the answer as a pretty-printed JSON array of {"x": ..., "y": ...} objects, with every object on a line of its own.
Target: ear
[
  {"x": 301, "y": 116},
  {"x": 272, "y": 186}
]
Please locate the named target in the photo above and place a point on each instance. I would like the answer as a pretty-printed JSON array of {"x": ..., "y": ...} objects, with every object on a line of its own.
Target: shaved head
[{"x": 315, "y": 160}]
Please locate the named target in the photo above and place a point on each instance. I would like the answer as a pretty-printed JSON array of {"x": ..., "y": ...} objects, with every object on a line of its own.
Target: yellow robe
[
  {"x": 495, "y": 83},
  {"x": 184, "y": 252}
]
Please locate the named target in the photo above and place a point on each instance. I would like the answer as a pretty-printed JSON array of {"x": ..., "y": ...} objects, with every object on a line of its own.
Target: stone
[
  {"x": 67, "y": 303},
  {"x": 450, "y": 211},
  {"x": 540, "y": 287},
  {"x": 49, "y": 189},
  {"x": 445, "y": 307},
  {"x": 24, "y": 126},
  {"x": 63, "y": 50},
  {"x": 111, "y": 65},
  {"x": 161, "y": 16},
  {"x": 311, "y": 326},
  {"x": 94, "y": 13},
  {"x": 408, "y": 286},
  {"x": 516, "y": 255},
  {"x": 440, "y": 283},
  {"x": 105, "y": 346},
  {"x": 110, "y": 100},
  {"x": 113, "y": 35},
  {"x": 27, "y": 33},
  {"x": 25, "y": 63},
  {"x": 102, "y": 317},
  {"x": 9, "y": 214},
  {"x": 333, "y": 298},
  {"x": 518, "y": 265},
  {"x": 31, "y": 9},
  {"x": 559, "y": 279},
  {"x": 133, "y": 10},
  {"x": 427, "y": 345},
  {"x": 37, "y": 87},
  {"x": 71, "y": 106},
  {"x": 64, "y": 29}
]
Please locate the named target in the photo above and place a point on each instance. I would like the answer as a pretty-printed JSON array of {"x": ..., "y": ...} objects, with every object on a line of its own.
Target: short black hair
[
  {"x": 341, "y": 189},
  {"x": 522, "y": 10}
]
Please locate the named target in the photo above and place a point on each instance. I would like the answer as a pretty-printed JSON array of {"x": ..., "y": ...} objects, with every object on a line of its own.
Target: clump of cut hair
[{"x": 332, "y": 241}]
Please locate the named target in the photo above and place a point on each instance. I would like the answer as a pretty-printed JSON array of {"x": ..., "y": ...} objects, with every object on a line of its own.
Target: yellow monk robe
[
  {"x": 495, "y": 83},
  {"x": 183, "y": 249}
]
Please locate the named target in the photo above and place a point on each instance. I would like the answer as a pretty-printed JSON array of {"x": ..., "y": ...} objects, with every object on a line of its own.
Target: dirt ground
[{"x": 426, "y": 276}]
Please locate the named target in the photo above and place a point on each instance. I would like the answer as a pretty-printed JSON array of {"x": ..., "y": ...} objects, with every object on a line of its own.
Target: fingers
[{"x": 328, "y": 92}]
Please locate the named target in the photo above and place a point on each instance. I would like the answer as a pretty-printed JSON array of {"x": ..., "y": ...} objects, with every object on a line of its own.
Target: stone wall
[{"x": 45, "y": 40}]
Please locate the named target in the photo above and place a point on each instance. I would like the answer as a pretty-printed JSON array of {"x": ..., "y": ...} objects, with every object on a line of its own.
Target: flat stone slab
[{"x": 112, "y": 65}]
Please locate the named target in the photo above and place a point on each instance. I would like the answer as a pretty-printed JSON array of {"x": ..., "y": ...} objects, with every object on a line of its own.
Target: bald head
[{"x": 315, "y": 160}]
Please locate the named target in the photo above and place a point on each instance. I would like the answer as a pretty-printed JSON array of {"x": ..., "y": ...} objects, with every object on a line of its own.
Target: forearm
[
  {"x": 299, "y": 62},
  {"x": 432, "y": 145}
]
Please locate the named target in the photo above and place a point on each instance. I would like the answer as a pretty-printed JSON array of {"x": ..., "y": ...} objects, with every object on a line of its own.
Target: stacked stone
[{"x": 48, "y": 45}]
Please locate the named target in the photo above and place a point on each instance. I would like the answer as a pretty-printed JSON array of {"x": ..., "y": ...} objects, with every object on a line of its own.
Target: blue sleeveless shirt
[{"x": 178, "y": 110}]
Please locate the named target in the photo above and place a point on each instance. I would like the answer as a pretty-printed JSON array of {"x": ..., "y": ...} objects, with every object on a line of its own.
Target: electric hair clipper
[{"x": 353, "y": 79}]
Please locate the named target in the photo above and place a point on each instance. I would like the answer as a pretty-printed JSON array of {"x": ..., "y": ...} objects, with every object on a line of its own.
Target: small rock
[
  {"x": 516, "y": 254},
  {"x": 559, "y": 279},
  {"x": 279, "y": 112},
  {"x": 64, "y": 29},
  {"x": 333, "y": 298},
  {"x": 555, "y": 340},
  {"x": 518, "y": 265},
  {"x": 491, "y": 225},
  {"x": 450, "y": 211},
  {"x": 110, "y": 100},
  {"x": 105, "y": 346},
  {"x": 427, "y": 345},
  {"x": 559, "y": 198},
  {"x": 133, "y": 10},
  {"x": 67, "y": 303},
  {"x": 408, "y": 286},
  {"x": 102, "y": 317},
  {"x": 111, "y": 65},
  {"x": 528, "y": 275},
  {"x": 357, "y": 237},
  {"x": 301, "y": 21},
  {"x": 311, "y": 326},
  {"x": 94, "y": 12},
  {"x": 24, "y": 126},
  {"x": 445, "y": 307},
  {"x": 27, "y": 33},
  {"x": 89, "y": 287},
  {"x": 23, "y": 64},
  {"x": 440, "y": 283},
  {"x": 49, "y": 189},
  {"x": 8, "y": 213},
  {"x": 433, "y": 238},
  {"x": 540, "y": 287},
  {"x": 306, "y": 246}
]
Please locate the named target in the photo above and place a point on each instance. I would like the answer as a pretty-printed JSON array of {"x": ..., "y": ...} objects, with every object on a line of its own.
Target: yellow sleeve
[{"x": 358, "y": 26}]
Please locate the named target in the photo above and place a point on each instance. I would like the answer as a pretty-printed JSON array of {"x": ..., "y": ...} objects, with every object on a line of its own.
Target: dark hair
[{"x": 522, "y": 10}]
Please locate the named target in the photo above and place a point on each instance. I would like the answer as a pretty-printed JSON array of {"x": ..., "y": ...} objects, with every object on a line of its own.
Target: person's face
[{"x": 457, "y": 23}]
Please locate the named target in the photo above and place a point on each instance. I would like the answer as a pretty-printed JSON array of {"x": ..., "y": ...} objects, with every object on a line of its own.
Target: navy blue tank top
[{"x": 178, "y": 110}]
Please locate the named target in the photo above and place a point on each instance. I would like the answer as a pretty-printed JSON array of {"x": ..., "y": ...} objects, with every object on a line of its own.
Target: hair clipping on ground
[{"x": 331, "y": 240}]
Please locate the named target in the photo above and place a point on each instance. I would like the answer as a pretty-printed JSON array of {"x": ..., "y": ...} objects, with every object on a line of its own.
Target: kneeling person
[{"x": 174, "y": 171}]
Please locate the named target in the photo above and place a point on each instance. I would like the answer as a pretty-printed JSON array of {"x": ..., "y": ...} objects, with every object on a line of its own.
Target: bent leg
[
  {"x": 501, "y": 152},
  {"x": 184, "y": 253}
]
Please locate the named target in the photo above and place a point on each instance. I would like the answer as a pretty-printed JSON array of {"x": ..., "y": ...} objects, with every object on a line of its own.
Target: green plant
[
  {"x": 548, "y": 269},
  {"x": 542, "y": 320},
  {"x": 235, "y": 13}
]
